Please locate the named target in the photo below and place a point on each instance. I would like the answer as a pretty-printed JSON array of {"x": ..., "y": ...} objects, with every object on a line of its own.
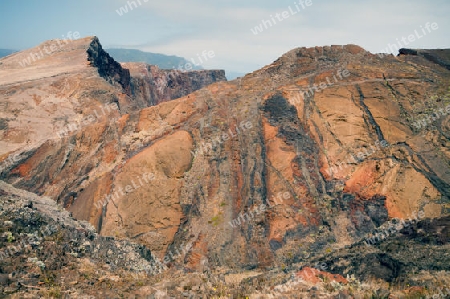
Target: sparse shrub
[
  {"x": 54, "y": 292},
  {"x": 9, "y": 237},
  {"x": 215, "y": 220}
]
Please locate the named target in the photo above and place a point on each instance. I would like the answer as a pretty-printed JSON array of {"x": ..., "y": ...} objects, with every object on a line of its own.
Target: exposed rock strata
[{"x": 348, "y": 154}]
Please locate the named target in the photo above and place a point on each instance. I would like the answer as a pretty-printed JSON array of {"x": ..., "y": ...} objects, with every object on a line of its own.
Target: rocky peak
[
  {"x": 59, "y": 68},
  {"x": 108, "y": 68}
]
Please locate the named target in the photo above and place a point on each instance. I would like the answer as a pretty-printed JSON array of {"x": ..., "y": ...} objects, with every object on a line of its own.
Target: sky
[{"x": 188, "y": 28}]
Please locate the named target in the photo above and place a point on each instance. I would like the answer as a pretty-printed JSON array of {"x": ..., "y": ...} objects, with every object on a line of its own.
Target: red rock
[{"x": 313, "y": 275}]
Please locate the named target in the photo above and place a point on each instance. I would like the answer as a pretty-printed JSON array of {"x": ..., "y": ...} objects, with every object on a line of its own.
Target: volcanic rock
[{"x": 355, "y": 140}]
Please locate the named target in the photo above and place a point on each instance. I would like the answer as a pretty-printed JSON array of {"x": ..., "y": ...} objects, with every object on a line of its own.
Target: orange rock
[
  {"x": 313, "y": 275},
  {"x": 295, "y": 145}
]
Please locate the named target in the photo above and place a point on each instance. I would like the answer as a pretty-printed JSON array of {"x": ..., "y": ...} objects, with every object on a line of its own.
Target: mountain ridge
[{"x": 333, "y": 127}]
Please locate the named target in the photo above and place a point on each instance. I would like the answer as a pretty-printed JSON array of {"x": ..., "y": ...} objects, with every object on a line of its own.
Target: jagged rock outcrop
[
  {"x": 303, "y": 158},
  {"x": 107, "y": 67}
]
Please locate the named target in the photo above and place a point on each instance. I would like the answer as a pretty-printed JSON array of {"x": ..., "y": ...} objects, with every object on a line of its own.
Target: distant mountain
[
  {"x": 6, "y": 52},
  {"x": 161, "y": 60}
]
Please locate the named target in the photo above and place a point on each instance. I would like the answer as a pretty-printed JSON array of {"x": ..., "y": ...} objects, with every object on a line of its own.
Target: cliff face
[
  {"x": 291, "y": 163},
  {"x": 151, "y": 85},
  {"x": 439, "y": 56}
]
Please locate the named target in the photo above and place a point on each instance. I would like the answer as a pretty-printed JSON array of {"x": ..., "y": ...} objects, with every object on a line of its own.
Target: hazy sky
[{"x": 189, "y": 27}]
